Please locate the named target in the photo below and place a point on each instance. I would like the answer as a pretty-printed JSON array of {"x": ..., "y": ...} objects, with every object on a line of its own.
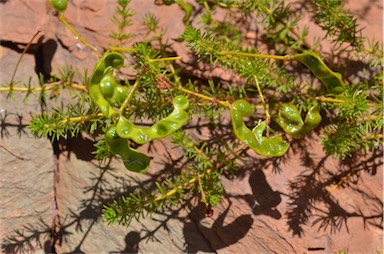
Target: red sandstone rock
[{"x": 269, "y": 208}]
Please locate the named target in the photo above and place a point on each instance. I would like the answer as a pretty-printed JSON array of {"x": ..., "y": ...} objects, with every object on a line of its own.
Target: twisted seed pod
[
  {"x": 268, "y": 146},
  {"x": 112, "y": 90},
  {"x": 188, "y": 9},
  {"x": 160, "y": 129},
  {"x": 101, "y": 93},
  {"x": 132, "y": 159},
  {"x": 289, "y": 119}
]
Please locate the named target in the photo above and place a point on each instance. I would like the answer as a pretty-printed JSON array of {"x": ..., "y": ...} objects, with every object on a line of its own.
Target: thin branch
[
  {"x": 22, "y": 54},
  {"x": 6, "y": 149},
  {"x": 50, "y": 86},
  {"x": 78, "y": 36}
]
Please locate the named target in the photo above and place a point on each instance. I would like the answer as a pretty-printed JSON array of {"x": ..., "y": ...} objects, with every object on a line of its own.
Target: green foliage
[
  {"x": 356, "y": 104},
  {"x": 171, "y": 190},
  {"x": 349, "y": 116},
  {"x": 57, "y": 125},
  {"x": 339, "y": 24},
  {"x": 103, "y": 151},
  {"x": 342, "y": 140},
  {"x": 122, "y": 19}
]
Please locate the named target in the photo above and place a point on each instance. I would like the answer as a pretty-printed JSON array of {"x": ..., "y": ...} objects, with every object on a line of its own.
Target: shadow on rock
[
  {"x": 43, "y": 51},
  {"x": 264, "y": 200},
  {"x": 312, "y": 200},
  {"x": 209, "y": 239},
  {"x": 28, "y": 238},
  {"x": 82, "y": 147},
  {"x": 132, "y": 240}
]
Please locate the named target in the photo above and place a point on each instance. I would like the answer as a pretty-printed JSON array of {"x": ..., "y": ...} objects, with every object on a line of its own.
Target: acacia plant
[{"x": 296, "y": 89}]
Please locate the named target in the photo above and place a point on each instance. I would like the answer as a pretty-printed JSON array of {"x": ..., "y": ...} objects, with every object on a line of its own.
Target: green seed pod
[
  {"x": 102, "y": 85},
  {"x": 59, "y": 5},
  {"x": 132, "y": 159},
  {"x": 312, "y": 119},
  {"x": 161, "y": 129},
  {"x": 331, "y": 80},
  {"x": 119, "y": 94},
  {"x": 289, "y": 119},
  {"x": 108, "y": 85},
  {"x": 243, "y": 107},
  {"x": 112, "y": 90},
  {"x": 188, "y": 9},
  {"x": 168, "y": 2},
  {"x": 268, "y": 146}
]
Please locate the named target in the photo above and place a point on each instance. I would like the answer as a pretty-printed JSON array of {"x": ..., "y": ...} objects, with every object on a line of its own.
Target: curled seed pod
[
  {"x": 289, "y": 119},
  {"x": 312, "y": 119},
  {"x": 112, "y": 90},
  {"x": 100, "y": 93},
  {"x": 132, "y": 159},
  {"x": 108, "y": 85},
  {"x": 188, "y": 9},
  {"x": 160, "y": 129},
  {"x": 268, "y": 146}
]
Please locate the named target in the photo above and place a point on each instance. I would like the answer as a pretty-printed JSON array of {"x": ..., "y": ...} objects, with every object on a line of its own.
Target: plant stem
[
  {"x": 78, "y": 36},
  {"x": 225, "y": 104},
  {"x": 183, "y": 186},
  {"x": 327, "y": 99},
  {"x": 6, "y": 149},
  {"x": 21, "y": 57},
  {"x": 371, "y": 51},
  {"x": 206, "y": 6},
  {"x": 267, "y": 115},
  {"x": 123, "y": 49},
  {"x": 203, "y": 197},
  {"x": 47, "y": 87},
  {"x": 224, "y": 53},
  {"x": 339, "y": 183},
  {"x": 209, "y": 10},
  {"x": 80, "y": 118},
  {"x": 194, "y": 179},
  {"x": 332, "y": 100},
  {"x": 165, "y": 59},
  {"x": 134, "y": 87},
  {"x": 367, "y": 118},
  {"x": 293, "y": 31},
  {"x": 373, "y": 136}
]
